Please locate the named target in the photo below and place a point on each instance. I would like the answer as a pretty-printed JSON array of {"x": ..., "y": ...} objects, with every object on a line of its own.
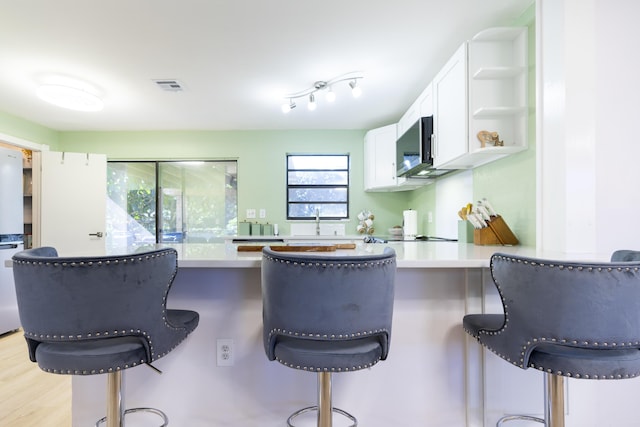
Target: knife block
[{"x": 497, "y": 233}]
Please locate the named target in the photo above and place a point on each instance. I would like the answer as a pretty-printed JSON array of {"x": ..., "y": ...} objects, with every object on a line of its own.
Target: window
[
  {"x": 197, "y": 201},
  {"x": 317, "y": 183}
]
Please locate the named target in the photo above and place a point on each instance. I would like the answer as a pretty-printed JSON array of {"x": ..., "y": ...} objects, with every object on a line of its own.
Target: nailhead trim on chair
[
  {"x": 364, "y": 264},
  {"x": 318, "y": 369},
  {"x": 89, "y": 335},
  {"x": 338, "y": 337},
  {"x": 278, "y": 331},
  {"x": 532, "y": 341}
]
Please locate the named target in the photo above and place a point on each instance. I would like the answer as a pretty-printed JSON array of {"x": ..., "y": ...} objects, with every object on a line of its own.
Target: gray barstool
[
  {"x": 566, "y": 319},
  {"x": 326, "y": 314},
  {"x": 99, "y": 315}
]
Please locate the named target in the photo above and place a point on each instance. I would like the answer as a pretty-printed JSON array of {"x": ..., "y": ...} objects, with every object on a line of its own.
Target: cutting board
[{"x": 298, "y": 248}]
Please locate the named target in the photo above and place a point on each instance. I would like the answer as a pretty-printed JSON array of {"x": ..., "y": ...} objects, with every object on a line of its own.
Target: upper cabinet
[
  {"x": 450, "y": 130},
  {"x": 480, "y": 100},
  {"x": 380, "y": 158},
  {"x": 380, "y": 162},
  {"x": 421, "y": 107},
  {"x": 479, "y": 105}
]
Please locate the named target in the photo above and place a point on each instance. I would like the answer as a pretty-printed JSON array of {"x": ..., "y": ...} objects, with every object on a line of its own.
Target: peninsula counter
[{"x": 435, "y": 375}]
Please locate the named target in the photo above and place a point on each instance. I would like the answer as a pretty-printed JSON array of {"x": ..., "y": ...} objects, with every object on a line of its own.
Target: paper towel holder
[{"x": 409, "y": 224}]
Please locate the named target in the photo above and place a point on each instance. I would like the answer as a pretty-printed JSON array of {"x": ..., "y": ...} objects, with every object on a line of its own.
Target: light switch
[{"x": 251, "y": 213}]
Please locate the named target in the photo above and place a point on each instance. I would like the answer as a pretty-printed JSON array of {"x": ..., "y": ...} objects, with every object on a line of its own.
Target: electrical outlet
[
  {"x": 263, "y": 213},
  {"x": 429, "y": 217},
  {"x": 225, "y": 352},
  {"x": 251, "y": 213}
]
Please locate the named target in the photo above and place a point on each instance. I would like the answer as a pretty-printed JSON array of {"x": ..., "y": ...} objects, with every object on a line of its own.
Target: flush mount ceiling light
[
  {"x": 70, "y": 97},
  {"x": 322, "y": 85}
]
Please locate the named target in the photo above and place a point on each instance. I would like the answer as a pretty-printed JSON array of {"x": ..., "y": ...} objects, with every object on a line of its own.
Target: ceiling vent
[{"x": 170, "y": 85}]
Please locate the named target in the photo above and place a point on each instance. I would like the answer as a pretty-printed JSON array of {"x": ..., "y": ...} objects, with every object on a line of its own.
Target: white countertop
[{"x": 416, "y": 254}]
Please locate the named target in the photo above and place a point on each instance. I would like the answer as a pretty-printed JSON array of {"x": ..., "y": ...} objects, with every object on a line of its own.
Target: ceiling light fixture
[
  {"x": 288, "y": 107},
  {"x": 312, "y": 102},
  {"x": 70, "y": 97},
  {"x": 320, "y": 85},
  {"x": 331, "y": 95},
  {"x": 356, "y": 90}
]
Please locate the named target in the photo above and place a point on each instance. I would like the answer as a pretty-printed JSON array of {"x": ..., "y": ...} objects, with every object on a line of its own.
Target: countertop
[{"x": 415, "y": 254}]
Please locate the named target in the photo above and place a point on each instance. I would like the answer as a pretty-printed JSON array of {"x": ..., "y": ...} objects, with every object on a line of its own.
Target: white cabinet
[
  {"x": 380, "y": 158},
  {"x": 421, "y": 107},
  {"x": 482, "y": 88},
  {"x": 450, "y": 110},
  {"x": 380, "y": 162}
]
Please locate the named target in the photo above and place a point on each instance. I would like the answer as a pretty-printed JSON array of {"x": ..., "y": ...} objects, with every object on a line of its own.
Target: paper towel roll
[{"x": 410, "y": 224}]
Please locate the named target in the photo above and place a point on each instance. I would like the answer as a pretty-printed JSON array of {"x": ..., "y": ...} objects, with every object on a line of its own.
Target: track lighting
[
  {"x": 356, "y": 90},
  {"x": 312, "y": 102},
  {"x": 320, "y": 85},
  {"x": 286, "y": 107},
  {"x": 331, "y": 95}
]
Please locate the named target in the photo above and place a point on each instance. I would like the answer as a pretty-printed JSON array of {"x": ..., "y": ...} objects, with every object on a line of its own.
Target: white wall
[
  {"x": 587, "y": 119},
  {"x": 587, "y": 78}
]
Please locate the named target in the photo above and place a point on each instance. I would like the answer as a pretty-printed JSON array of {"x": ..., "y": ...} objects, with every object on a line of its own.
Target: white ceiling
[{"x": 236, "y": 58}]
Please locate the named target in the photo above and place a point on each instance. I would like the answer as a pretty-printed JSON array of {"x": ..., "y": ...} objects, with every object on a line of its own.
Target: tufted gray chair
[
  {"x": 566, "y": 319},
  {"x": 327, "y": 314},
  {"x": 99, "y": 315}
]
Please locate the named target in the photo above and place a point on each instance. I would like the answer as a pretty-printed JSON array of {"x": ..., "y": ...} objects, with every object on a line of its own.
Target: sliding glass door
[{"x": 171, "y": 202}]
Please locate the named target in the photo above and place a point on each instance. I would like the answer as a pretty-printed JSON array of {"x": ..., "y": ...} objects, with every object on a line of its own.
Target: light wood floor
[{"x": 30, "y": 397}]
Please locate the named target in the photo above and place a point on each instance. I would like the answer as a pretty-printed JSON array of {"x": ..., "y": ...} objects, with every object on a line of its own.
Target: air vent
[{"x": 170, "y": 85}]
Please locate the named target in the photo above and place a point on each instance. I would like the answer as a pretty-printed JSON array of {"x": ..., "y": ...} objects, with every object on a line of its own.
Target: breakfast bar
[{"x": 434, "y": 375}]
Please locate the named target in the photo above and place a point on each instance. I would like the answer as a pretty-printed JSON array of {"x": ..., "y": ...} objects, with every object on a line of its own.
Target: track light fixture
[
  {"x": 321, "y": 85},
  {"x": 288, "y": 107}
]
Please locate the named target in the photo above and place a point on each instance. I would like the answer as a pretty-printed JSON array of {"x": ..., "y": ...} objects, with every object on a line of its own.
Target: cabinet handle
[
  {"x": 434, "y": 146},
  {"x": 393, "y": 170},
  {"x": 98, "y": 234}
]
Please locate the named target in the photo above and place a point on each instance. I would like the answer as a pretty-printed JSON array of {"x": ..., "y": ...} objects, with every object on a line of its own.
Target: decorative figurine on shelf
[
  {"x": 485, "y": 137},
  {"x": 366, "y": 222}
]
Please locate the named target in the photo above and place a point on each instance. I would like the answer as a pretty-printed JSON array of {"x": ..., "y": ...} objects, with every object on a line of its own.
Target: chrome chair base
[
  {"x": 115, "y": 403},
  {"x": 165, "y": 420},
  {"x": 518, "y": 418},
  {"x": 553, "y": 404},
  {"x": 315, "y": 408}
]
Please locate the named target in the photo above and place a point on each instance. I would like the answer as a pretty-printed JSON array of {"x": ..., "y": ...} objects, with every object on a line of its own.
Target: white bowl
[{"x": 395, "y": 231}]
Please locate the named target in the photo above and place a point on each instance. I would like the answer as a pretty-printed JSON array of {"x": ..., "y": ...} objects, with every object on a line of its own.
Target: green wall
[
  {"x": 509, "y": 183},
  {"x": 24, "y": 129},
  {"x": 261, "y": 163}
]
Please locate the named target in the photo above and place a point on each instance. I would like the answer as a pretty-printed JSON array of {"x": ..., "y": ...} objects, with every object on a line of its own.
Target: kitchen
[{"x": 537, "y": 192}]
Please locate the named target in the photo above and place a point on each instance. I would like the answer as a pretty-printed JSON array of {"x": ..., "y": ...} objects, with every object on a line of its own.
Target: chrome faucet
[{"x": 317, "y": 222}]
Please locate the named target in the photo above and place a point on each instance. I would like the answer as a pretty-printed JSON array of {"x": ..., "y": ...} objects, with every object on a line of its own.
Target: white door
[{"x": 72, "y": 211}]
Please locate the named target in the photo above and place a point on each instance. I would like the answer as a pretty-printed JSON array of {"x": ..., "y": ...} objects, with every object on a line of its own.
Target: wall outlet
[
  {"x": 263, "y": 213},
  {"x": 225, "y": 352},
  {"x": 429, "y": 217},
  {"x": 251, "y": 213}
]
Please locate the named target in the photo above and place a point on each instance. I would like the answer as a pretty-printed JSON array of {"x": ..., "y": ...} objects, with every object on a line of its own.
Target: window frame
[{"x": 290, "y": 186}]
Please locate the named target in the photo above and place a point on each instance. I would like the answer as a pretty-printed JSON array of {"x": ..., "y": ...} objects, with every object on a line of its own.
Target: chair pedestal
[
  {"x": 325, "y": 407},
  {"x": 115, "y": 404},
  {"x": 553, "y": 404}
]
